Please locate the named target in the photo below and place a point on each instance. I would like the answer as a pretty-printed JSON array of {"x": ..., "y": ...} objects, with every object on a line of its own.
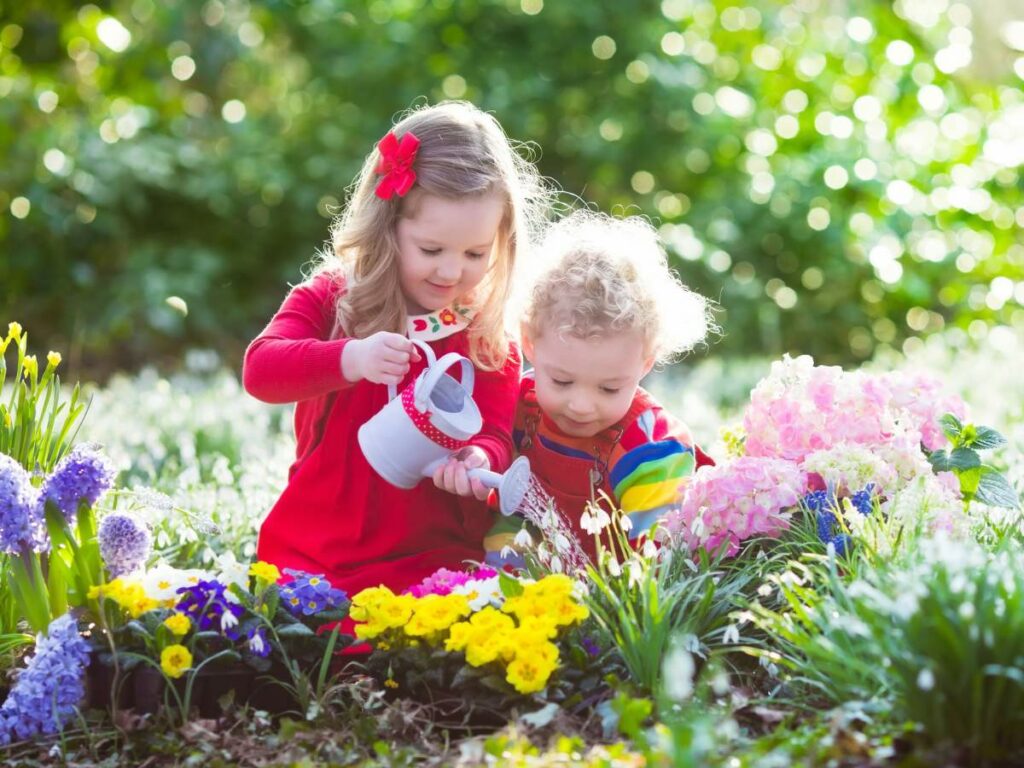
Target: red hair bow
[{"x": 396, "y": 158}]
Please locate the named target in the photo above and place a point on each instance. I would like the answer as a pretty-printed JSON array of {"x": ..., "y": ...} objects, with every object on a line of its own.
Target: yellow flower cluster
[
  {"x": 518, "y": 637},
  {"x": 525, "y": 649},
  {"x": 178, "y": 623},
  {"x": 379, "y": 610},
  {"x": 128, "y": 594}
]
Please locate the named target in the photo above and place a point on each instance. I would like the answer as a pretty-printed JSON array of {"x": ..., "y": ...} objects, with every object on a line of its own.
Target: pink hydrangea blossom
[{"x": 729, "y": 503}]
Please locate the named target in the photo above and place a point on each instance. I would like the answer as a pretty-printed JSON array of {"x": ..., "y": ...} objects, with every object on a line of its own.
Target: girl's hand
[
  {"x": 382, "y": 358},
  {"x": 452, "y": 476}
]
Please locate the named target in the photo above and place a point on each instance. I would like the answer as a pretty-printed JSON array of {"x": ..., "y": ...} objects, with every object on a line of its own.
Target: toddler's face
[
  {"x": 444, "y": 248},
  {"x": 586, "y": 385}
]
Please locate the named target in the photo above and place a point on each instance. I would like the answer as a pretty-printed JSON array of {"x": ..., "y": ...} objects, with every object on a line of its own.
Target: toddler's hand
[
  {"x": 452, "y": 476},
  {"x": 382, "y": 358}
]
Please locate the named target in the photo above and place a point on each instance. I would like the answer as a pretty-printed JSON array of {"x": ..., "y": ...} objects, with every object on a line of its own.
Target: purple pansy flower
[{"x": 207, "y": 604}]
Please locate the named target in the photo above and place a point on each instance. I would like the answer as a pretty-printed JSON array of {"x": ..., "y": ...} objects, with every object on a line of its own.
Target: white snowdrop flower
[
  {"x": 691, "y": 643},
  {"x": 587, "y": 522},
  {"x": 650, "y": 550},
  {"x": 613, "y": 567},
  {"x": 636, "y": 572},
  {"x": 508, "y": 551},
  {"x": 561, "y": 542},
  {"x": 731, "y": 636},
  {"x": 601, "y": 519},
  {"x": 523, "y": 539},
  {"x": 556, "y": 564},
  {"x": 926, "y": 679},
  {"x": 765, "y": 589},
  {"x": 256, "y": 643},
  {"x": 227, "y": 620},
  {"x": 625, "y": 523},
  {"x": 677, "y": 674}
]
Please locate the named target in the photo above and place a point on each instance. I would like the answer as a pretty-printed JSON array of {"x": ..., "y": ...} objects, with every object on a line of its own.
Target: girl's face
[
  {"x": 444, "y": 248},
  {"x": 586, "y": 385}
]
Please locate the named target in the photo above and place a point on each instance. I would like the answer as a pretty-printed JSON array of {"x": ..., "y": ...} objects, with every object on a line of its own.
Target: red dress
[{"x": 336, "y": 516}]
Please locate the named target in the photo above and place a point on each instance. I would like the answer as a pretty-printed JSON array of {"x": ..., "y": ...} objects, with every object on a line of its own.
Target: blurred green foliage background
[{"x": 840, "y": 177}]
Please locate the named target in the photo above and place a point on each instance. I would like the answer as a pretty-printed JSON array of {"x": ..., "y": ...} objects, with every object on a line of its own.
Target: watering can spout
[{"x": 511, "y": 485}]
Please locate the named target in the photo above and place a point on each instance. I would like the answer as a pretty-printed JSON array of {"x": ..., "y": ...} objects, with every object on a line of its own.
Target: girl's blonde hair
[
  {"x": 606, "y": 275},
  {"x": 463, "y": 152}
]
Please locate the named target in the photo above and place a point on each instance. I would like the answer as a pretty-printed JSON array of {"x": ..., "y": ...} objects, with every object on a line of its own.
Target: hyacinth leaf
[
  {"x": 994, "y": 490},
  {"x": 987, "y": 438},
  {"x": 57, "y": 580}
]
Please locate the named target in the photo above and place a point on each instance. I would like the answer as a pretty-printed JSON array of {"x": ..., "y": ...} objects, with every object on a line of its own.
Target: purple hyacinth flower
[
  {"x": 48, "y": 690},
  {"x": 83, "y": 475},
  {"x": 22, "y": 526},
  {"x": 125, "y": 543}
]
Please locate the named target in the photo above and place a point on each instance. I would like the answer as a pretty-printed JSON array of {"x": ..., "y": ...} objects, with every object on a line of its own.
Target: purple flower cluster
[
  {"x": 825, "y": 505},
  {"x": 125, "y": 543},
  {"x": 309, "y": 593},
  {"x": 49, "y": 689},
  {"x": 22, "y": 525},
  {"x": 83, "y": 475},
  {"x": 207, "y": 604}
]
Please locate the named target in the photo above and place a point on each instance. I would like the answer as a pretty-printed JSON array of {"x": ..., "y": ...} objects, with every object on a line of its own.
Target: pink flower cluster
[
  {"x": 801, "y": 408},
  {"x": 729, "y": 503},
  {"x": 808, "y": 427},
  {"x": 443, "y": 581}
]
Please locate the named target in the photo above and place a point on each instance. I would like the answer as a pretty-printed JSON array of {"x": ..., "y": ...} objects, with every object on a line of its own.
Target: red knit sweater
[{"x": 336, "y": 516}]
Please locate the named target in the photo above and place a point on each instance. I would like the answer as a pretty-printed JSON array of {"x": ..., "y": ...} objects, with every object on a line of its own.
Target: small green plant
[
  {"x": 935, "y": 639},
  {"x": 640, "y": 600},
  {"x": 36, "y": 423},
  {"x": 978, "y": 481}
]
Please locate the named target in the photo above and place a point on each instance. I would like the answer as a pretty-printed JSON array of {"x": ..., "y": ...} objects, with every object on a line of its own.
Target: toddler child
[{"x": 606, "y": 310}]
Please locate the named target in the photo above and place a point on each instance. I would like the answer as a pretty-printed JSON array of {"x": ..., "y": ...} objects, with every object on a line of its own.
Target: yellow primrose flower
[
  {"x": 31, "y": 366},
  {"x": 389, "y": 683},
  {"x": 175, "y": 660},
  {"x": 178, "y": 623},
  {"x": 485, "y": 651},
  {"x": 528, "y": 675},
  {"x": 53, "y": 359},
  {"x": 369, "y": 630},
  {"x": 14, "y": 331},
  {"x": 458, "y": 636},
  {"x": 266, "y": 571}
]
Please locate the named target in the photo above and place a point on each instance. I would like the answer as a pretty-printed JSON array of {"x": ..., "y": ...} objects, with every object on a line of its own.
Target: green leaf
[
  {"x": 295, "y": 630},
  {"x": 951, "y": 426},
  {"x": 996, "y": 491},
  {"x": 987, "y": 438},
  {"x": 510, "y": 587},
  {"x": 964, "y": 458},
  {"x": 940, "y": 461}
]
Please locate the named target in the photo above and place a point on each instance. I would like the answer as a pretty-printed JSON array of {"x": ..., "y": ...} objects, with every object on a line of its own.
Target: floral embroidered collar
[{"x": 440, "y": 323}]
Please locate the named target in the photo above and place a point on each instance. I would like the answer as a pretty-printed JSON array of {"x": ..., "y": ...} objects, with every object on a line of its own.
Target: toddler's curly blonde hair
[{"x": 606, "y": 275}]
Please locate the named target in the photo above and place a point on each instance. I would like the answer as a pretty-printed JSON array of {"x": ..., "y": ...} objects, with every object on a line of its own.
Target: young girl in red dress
[{"x": 425, "y": 249}]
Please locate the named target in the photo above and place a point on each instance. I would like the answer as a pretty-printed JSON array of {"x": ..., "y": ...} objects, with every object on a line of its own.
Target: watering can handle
[
  {"x": 428, "y": 354},
  {"x": 425, "y": 385}
]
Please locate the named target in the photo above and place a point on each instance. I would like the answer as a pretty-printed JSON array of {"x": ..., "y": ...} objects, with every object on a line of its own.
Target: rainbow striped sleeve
[{"x": 655, "y": 459}]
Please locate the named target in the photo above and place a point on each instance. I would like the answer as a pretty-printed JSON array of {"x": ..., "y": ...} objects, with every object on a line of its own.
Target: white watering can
[{"x": 414, "y": 434}]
